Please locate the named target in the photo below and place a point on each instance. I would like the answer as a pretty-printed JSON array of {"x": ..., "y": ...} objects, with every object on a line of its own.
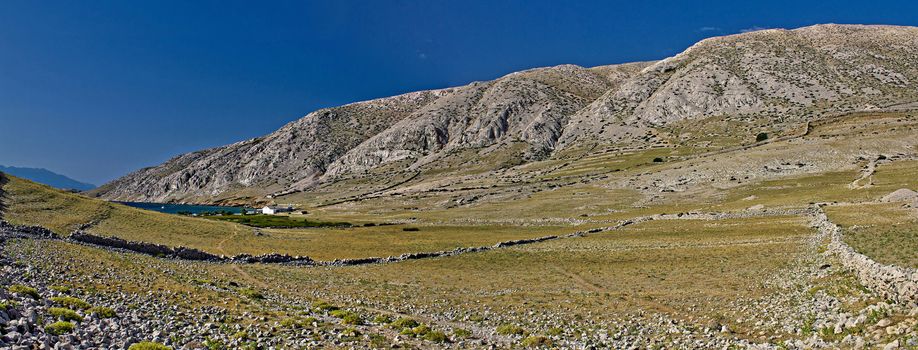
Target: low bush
[
  {"x": 347, "y": 317},
  {"x": 411, "y": 229},
  {"x": 437, "y": 337},
  {"x": 536, "y": 341},
  {"x": 251, "y": 293},
  {"x": 7, "y": 304},
  {"x": 403, "y": 323},
  {"x": 421, "y": 330},
  {"x": 147, "y": 345},
  {"x": 351, "y": 332},
  {"x": 382, "y": 319},
  {"x": 297, "y": 322},
  {"x": 324, "y": 306},
  {"x": 265, "y": 221},
  {"x": 103, "y": 312},
  {"x": 60, "y": 327},
  {"x": 509, "y": 329},
  {"x": 71, "y": 302},
  {"x": 214, "y": 344},
  {"x": 23, "y": 290},
  {"x": 64, "y": 314},
  {"x": 462, "y": 333},
  {"x": 378, "y": 341}
]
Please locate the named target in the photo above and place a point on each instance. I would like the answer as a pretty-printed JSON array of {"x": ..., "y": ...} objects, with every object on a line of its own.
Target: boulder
[{"x": 901, "y": 195}]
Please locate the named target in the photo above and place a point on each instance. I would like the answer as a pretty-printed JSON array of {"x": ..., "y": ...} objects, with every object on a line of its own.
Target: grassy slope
[
  {"x": 34, "y": 204},
  {"x": 29, "y": 203}
]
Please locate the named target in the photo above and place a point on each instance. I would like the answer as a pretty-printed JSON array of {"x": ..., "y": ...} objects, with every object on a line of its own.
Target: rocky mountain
[
  {"x": 770, "y": 76},
  {"x": 47, "y": 177}
]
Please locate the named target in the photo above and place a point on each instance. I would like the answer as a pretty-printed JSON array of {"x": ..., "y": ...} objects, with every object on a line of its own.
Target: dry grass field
[{"x": 886, "y": 232}]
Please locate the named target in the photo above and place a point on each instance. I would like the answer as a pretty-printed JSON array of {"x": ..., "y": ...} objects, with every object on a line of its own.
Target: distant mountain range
[
  {"x": 47, "y": 177},
  {"x": 770, "y": 79}
]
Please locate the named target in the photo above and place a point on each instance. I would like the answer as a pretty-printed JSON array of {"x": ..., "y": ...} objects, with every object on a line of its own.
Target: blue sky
[{"x": 96, "y": 89}]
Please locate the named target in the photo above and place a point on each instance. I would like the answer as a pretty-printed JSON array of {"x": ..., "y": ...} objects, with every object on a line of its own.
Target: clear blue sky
[{"x": 96, "y": 89}]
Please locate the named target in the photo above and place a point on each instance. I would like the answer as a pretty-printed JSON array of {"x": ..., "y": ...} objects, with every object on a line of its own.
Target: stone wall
[
  {"x": 22, "y": 231},
  {"x": 892, "y": 282},
  {"x": 183, "y": 253}
]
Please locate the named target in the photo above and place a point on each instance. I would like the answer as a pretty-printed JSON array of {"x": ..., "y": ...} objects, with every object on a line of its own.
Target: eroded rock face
[
  {"x": 773, "y": 74},
  {"x": 291, "y": 157}
]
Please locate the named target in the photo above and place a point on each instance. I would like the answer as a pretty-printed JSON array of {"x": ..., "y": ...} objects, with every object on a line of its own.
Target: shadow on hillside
[{"x": 3, "y": 181}]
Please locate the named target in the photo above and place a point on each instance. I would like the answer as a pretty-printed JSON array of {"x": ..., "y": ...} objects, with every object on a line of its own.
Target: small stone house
[{"x": 271, "y": 210}]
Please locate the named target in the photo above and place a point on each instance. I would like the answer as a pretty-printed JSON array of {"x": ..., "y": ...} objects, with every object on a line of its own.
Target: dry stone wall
[{"x": 892, "y": 282}]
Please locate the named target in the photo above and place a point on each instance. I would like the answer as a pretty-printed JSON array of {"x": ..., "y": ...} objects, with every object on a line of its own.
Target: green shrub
[
  {"x": 378, "y": 341},
  {"x": 509, "y": 329},
  {"x": 23, "y": 290},
  {"x": 8, "y": 304},
  {"x": 403, "y": 323},
  {"x": 146, "y": 345},
  {"x": 437, "y": 337},
  {"x": 411, "y": 229},
  {"x": 60, "y": 327},
  {"x": 297, "y": 322},
  {"x": 462, "y": 333},
  {"x": 382, "y": 319},
  {"x": 64, "y": 314},
  {"x": 761, "y": 137},
  {"x": 71, "y": 302},
  {"x": 251, "y": 293},
  {"x": 103, "y": 312},
  {"x": 348, "y": 317},
  {"x": 658, "y": 160},
  {"x": 536, "y": 341},
  {"x": 350, "y": 332},
  {"x": 324, "y": 306},
  {"x": 290, "y": 323},
  {"x": 876, "y": 315},
  {"x": 421, "y": 330},
  {"x": 242, "y": 335},
  {"x": 555, "y": 331},
  {"x": 214, "y": 344}
]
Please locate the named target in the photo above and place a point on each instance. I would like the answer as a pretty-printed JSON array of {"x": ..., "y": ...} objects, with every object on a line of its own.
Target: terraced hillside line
[
  {"x": 893, "y": 282},
  {"x": 369, "y": 195}
]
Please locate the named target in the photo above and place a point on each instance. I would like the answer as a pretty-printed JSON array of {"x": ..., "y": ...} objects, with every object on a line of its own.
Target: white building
[{"x": 271, "y": 210}]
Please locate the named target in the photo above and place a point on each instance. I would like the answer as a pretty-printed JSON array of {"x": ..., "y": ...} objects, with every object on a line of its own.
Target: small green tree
[{"x": 761, "y": 137}]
